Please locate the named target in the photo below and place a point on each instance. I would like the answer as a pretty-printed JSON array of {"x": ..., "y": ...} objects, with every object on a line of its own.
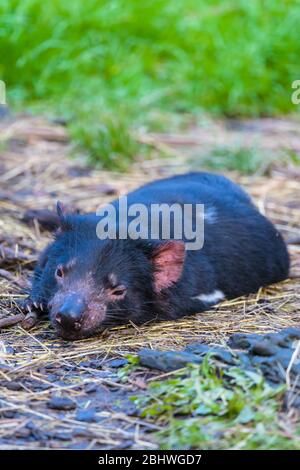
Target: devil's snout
[{"x": 70, "y": 313}]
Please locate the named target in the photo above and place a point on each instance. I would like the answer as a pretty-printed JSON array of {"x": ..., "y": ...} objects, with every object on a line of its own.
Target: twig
[
  {"x": 12, "y": 320},
  {"x": 10, "y": 277}
]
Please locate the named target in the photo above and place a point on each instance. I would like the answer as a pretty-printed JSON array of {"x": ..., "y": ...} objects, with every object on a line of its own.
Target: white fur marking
[
  {"x": 210, "y": 215},
  {"x": 211, "y": 298}
]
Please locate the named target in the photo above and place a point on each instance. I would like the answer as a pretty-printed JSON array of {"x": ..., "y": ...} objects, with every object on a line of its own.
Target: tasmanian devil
[{"x": 88, "y": 284}]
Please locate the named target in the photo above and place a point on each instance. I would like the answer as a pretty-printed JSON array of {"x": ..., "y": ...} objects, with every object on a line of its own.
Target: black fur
[{"x": 242, "y": 252}]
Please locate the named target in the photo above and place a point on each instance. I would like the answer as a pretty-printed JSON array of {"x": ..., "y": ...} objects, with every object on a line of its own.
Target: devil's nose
[{"x": 70, "y": 313}]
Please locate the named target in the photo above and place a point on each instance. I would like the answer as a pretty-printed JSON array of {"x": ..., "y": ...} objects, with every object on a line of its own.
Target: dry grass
[{"x": 34, "y": 174}]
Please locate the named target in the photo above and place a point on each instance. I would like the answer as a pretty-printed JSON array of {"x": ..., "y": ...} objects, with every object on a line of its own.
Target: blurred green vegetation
[
  {"x": 246, "y": 160},
  {"x": 107, "y": 64},
  {"x": 207, "y": 407}
]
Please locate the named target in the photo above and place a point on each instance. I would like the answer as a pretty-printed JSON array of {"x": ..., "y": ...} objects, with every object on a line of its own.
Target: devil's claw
[{"x": 30, "y": 305}]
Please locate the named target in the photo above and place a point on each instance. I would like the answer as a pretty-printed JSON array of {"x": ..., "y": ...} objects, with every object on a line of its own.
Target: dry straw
[{"x": 34, "y": 174}]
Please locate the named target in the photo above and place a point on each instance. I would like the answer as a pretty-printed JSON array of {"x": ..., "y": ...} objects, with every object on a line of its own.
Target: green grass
[
  {"x": 246, "y": 160},
  {"x": 107, "y": 65},
  {"x": 202, "y": 408}
]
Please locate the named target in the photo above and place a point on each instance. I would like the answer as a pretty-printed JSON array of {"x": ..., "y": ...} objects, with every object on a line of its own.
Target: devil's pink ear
[{"x": 168, "y": 260}]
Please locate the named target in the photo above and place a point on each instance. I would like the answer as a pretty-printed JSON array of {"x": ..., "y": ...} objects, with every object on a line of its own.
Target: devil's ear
[
  {"x": 62, "y": 217},
  {"x": 168, "y": 259},
  {"x": 60, "y": 209}
]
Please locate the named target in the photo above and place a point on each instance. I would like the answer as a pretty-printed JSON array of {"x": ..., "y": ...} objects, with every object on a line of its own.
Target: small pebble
[
  {"x": 11, "y": 385},
  {"x": 61, "y": 403},
  {"x": 88, "y": 416},
  {"x": 117, "y": 363},
  {"x": 90, "y": 388},
  {"x": 8, "y": 414}
]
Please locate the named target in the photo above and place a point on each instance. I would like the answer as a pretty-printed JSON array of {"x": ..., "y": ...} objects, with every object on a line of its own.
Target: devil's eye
[
  {"x": 118, "y": 291},
  {"x": 59, "y": 272}
]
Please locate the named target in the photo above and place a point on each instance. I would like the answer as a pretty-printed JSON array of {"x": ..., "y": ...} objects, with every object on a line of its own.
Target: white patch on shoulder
[
  {"x": 212, "y": 298},
  {"x": 210, "y": 214}
]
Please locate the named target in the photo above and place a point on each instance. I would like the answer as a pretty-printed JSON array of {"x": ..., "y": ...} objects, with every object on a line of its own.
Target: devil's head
[{"x": 89, "y": 284}]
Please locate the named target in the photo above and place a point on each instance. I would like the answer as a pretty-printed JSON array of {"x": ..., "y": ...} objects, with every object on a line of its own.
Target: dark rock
[
  {"x": 36, "y": 432},
  {"x": 219, "y": 353},
  {"x": 262, "y": 348},
  {"x": 244, "y": 360},
  {"x": 61, "y": 403},
  {"x": 167, "y": 361},
  {"x": 268, "y": 361},
  {"x": 90, "y": 388},
  {"x": 242, "y": 341},
  {"x": 8, "y": 414},
  {"x": 291, "y": 333},
  {"x": 278, "y": 339},
  {"x": 117, "y": 363},
  {"x": 92, "y": 364},
  {"x": 88, "y": 415},
  {"x": 197, "y": 348},
  {"x": 296, "y": 370},
  {"x": 36, "y": 385},
  {"x": 272, "y": 376},
  {"x": 11, "y": 385},
  {"x": 271, "y": 353},
  {"x": 223, "y": 355},
  {"x": 284, "y": 356},
  {"x": 104, "y": 374}
]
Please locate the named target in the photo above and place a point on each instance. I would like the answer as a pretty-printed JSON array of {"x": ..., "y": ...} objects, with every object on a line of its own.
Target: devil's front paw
[{"x": 32, "y": 309}]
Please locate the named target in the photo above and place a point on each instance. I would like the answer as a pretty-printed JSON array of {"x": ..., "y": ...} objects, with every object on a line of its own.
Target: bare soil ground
[{"x": 36, "y": 367}]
